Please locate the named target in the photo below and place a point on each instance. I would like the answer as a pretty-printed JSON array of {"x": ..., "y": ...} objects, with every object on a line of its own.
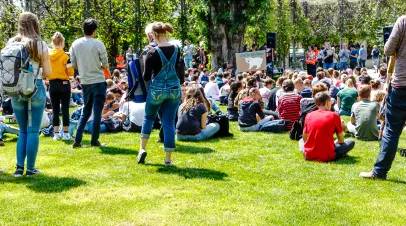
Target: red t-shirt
[
  {"x": 320, "y": 127},
  {"x": 289, "y": 108}
]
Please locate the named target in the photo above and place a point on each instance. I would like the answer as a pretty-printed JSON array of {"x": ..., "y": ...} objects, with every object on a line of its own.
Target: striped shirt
[{"x": 289, "y": 108}]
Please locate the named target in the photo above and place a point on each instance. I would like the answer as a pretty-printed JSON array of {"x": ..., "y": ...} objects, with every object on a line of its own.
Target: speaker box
[
  {"x": 271, "y": 40},
  {"x": 386, "y": 33}
]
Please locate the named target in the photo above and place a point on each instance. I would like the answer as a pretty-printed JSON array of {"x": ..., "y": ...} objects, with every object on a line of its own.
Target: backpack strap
[{"x": 164, "y": 59}]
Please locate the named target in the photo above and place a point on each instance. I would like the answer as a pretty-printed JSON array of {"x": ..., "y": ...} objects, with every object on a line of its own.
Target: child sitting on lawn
[
  {"x": 192, "y": 117},
  {"x": 249, "y": 109},
  {"x": 364, "y": 116},
  {"x": 318, "y": 133}
]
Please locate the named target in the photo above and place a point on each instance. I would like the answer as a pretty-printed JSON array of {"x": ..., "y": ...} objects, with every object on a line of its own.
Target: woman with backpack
[
  {"x": 164, "y": 93},
  {"x": 59, "y": 85},
  {"x": 30, "y": 122}
]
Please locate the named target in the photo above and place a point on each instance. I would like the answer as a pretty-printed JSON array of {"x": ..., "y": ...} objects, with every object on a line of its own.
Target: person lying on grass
[
  {"x": 364, "y": 116},
  {"x": 318, "y": 143},
  {"x": 250, "y": 110},
  {"x": 192, "y": 117}
]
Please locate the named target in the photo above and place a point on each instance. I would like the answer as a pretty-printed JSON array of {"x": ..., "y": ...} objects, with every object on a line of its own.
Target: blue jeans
[
  {"x": 328, "y": 65},
  {"x": 395, "y": 121},
  {"x": 188, "y": 63},
  {"x": 89, "y": 128},
  {"x": 343, "y": 112},
  {"x": 4, "y": 128},
  {"x": 28, "y": 139},
  {"x": 214, "y": 106},
  {"x": 362, "y": 63},
  {"x": 257, "y": 127},
  {"x": 77, "y": 97},
  {"x": 343, "y": 66},
  {"x": 210, "y": 130},
  {"x": 94, "y": 96},
  {"x": 340, "y": 149},
  {"x": 167, "y": 102}
]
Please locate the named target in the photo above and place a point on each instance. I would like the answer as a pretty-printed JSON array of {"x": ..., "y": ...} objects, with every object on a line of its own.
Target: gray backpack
[{"x": 17, "y": 77}]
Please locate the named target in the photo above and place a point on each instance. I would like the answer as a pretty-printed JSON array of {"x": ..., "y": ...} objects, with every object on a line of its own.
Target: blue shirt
[
  {"x": 189, "y": 49},
  {"x": 354, "y": 59},
  {"x": 344, "y": 54}
]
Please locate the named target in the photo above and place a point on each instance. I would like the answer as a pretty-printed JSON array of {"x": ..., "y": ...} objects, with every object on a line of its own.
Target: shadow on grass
[
  {"x": 117, "y": 151},
  {"x": 348, "y": 160},
  {"x": 397, "y": 181},
  {"x": 191, "y": 173},
  {"x": 43, "y": 183},
  {"x": 193, "y": 149}
]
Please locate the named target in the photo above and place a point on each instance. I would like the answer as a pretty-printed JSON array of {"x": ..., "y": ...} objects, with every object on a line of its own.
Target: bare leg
[
  {"x": 168, "y": 156},
  {"x": 144, "y": 142}
]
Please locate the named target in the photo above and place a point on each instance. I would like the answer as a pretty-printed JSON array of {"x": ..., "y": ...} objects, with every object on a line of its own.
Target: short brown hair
[
  {"x": 319, "y": 87},
  {"x": 321, "y": 98},
  {"x": 320, "y": 75},
  {"x": 109, "y": 96},
  {"x": 269, "y": 81},
  {"x": 364, "y": 91}
]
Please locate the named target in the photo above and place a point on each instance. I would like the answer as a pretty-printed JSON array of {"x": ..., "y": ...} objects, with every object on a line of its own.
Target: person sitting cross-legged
[
  {"x": 250, "y": 110},
  {"x": 289, "y": 104},
  {"x": 192, "y": 117},
  {"x": 364, "y": 115},
  {"x": 318, "y": 133}
]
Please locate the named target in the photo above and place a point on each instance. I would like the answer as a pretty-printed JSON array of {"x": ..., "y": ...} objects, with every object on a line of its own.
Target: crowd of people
[
  {"x": 182, "y": 95},
  {"x": 351, "y": 56}
]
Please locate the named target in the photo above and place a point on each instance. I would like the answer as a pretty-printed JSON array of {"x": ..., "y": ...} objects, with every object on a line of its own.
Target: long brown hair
[
  {"x": 28, "y": 32},
  {"x": 193, "y": 98}
]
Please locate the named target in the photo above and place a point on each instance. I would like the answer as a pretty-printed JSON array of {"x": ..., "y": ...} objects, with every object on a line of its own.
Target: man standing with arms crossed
[
  {"x": 90, "y": 57},
  {"x": 344, "y": 55},
  {"x": 395, "y": 103}
]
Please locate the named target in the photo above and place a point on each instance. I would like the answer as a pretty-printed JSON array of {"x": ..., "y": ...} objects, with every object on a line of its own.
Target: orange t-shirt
[{"x": 120, "y": 62}]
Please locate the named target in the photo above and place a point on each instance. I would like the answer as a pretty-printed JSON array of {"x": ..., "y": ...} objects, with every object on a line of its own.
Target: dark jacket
[
  {"x": 272, "y": 105},
  {"x": 248, "y": 110}
]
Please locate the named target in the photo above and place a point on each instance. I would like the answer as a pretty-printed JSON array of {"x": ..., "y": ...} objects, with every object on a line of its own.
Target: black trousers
[{"x": 60, "y": 93}]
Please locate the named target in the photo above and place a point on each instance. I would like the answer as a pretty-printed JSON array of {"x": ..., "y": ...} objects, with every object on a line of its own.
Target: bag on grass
[
  {"x": 223, "y": 121},
  {"x": 113, "y": 125},
  {"x": 296, "y": 132}
]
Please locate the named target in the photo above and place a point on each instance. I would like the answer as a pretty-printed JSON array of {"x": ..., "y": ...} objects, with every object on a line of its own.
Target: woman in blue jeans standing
[
  {"x": 164, "y": 94},
  {"x": 28, "y": 139}
]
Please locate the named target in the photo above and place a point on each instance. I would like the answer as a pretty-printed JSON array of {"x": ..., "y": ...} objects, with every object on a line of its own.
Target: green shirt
[
  {"x": 348, "y": 96},
  {"x": 365, "y": 113}
]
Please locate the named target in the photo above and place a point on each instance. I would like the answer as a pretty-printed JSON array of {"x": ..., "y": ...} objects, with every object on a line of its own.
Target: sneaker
[
  {"x": 369, "y": 175},
  {"x": 168, "y": 164},
  {"x": 1, "y": 142},
  {"x": 19, "y": 172},
  {"x": 141, "y": 156},
  {"x": 402, "y": 152},
  {"x": 32, "y": 172},
  {"x": 57, "y": 136},
  {"x": 76, "y": 145},
  {"x": 98, "y": 144},
  {"x": 67, "y": 136}
]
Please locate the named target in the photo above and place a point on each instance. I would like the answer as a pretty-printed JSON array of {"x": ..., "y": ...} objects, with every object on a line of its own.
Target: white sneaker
[
  {"x": 57, "y": 136},
  {"x": 67, "y": 136}
]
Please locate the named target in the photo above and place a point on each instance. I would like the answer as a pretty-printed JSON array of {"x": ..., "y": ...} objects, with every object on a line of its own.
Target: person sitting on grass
[
  {"x": 303, "y": 90},
  {"x": 232, "y": 111},
  {"x": 192, "y": 117},
  {"x": 249, "y": 84},
  {"x": 266, "y": 91},
  {"x": 249, "y": 110},
  {"x": 225, "y": 92},
  {"x": 211, "y": 90},
  {"x": 134, "y": 112},
  {"x": 364, "y": 115},
  {"x": 289, "y": 104},
  {"x": 346, "y": 98},
  {"x": 318, "y": 143},
  {"x": 4, "y": 128}
]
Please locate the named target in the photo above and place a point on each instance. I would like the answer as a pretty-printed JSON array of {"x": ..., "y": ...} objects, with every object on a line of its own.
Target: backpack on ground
[
  {"x": 224, "y": 123},
  {"x": 113, "y": 125}
]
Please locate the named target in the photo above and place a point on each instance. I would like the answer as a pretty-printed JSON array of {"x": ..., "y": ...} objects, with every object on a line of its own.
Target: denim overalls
[{"x": 164, "y": 95}]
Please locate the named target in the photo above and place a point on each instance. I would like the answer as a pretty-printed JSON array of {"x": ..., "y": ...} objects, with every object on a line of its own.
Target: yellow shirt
[{"x": 60, "y": 64}]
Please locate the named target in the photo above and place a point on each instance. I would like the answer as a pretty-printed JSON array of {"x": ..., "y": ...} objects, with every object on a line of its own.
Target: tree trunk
[{"x": 226, "y": 35}]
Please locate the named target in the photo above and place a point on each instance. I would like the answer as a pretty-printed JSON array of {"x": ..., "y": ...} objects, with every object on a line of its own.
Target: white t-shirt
[
  {"x": 211, "y": 90},
  {"x": 136, "y": 112},
  {"x": 265, "y": 93}
]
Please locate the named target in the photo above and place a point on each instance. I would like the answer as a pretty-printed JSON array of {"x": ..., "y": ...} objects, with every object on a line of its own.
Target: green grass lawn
[{"x": 249, "y": 179}]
